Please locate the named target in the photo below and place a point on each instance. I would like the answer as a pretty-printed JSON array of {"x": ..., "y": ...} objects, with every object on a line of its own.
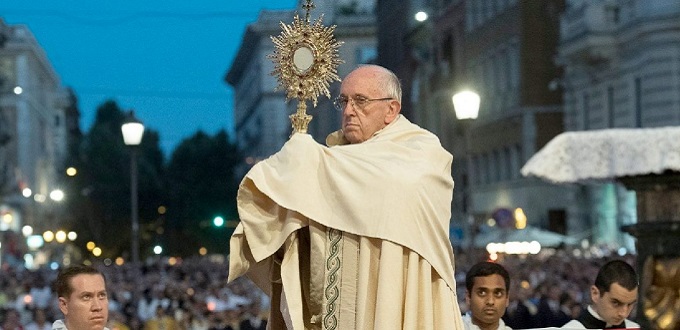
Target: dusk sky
[{"x": 165, "y": 59}]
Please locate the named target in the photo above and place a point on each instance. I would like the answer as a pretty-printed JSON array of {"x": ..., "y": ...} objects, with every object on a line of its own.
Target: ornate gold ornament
[{"x": 305, "y": 63}]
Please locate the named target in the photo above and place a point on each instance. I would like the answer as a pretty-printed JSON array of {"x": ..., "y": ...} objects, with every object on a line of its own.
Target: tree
[
  {"x": 195, "y": 186},
  {"x": 103, "y": 211},
  {"x": 201, "y": 177}
]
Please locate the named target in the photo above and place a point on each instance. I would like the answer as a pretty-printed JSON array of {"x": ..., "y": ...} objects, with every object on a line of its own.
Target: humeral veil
[{"x": 351, "y": 236}]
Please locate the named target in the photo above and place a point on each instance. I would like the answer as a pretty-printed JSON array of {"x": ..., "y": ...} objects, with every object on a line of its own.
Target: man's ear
[
  {"x": 393, "y": 111},
  {"x": 63, "y": 306},
  {"x": 594, "y": 293}
]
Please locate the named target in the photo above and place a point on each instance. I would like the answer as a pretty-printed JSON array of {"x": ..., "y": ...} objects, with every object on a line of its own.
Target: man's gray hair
[{"x": 393, "y": 85}]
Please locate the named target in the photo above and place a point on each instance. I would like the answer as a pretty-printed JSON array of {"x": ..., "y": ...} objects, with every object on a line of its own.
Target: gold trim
[{"x": 332, "y": 290}]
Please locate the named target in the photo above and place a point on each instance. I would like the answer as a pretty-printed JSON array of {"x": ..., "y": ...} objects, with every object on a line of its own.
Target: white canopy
[{"x": 606, "y": 154}]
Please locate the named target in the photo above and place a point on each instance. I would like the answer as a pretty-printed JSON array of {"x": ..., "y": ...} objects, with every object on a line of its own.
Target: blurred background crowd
[
  {"x": 546, "y": 290},
  {"x": 191, "y": 294}
]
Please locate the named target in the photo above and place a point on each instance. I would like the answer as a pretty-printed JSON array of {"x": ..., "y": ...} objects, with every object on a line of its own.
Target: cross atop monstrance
[
  {"x": 305, "y": 63},
  {"x": 308, "y": 6}
]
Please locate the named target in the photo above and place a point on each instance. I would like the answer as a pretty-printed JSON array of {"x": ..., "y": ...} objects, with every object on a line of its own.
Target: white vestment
[{"x": 351, "y": 236}]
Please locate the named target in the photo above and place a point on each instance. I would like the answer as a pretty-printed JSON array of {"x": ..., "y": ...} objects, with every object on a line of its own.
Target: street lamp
[
  {"x": 133, "y": 130},
  {"x": 466, "y": 105}
]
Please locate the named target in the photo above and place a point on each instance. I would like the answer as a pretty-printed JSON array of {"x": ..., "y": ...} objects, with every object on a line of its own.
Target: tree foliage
[
  {"x": 178, "y": 199},
  {"x": 103, "y": 210},
  {"x": 201, "y": 177}
]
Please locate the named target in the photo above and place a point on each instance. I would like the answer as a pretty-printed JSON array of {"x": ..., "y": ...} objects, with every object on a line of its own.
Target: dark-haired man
[
  {"x": 487, "y": 285},
  {"x": 613, "y": 296},
  {"x": 83, "y": 300}
]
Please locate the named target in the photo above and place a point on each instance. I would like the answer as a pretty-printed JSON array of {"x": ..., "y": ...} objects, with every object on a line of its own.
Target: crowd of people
[
  {"x": 191, "y": 294},
  {"x": 546, "y": 290}
]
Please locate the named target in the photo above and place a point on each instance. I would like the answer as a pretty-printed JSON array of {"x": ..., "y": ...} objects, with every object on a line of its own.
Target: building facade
[
  {"x": 621, "y": 64},
  {"x": 504, "y": 51},
  {"x": 509, "y": 59},
  {"x": 260, "y": 113},
  {"x": 33, "y": 130}
]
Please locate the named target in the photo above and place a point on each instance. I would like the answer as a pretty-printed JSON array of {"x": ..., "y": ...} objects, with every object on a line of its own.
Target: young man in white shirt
[{"x": 487, "y": 285}]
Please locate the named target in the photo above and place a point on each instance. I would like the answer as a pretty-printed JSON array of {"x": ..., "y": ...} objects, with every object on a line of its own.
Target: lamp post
[
  {"x": 133, "y": 130},
  {"x": 466, "y": 106}
]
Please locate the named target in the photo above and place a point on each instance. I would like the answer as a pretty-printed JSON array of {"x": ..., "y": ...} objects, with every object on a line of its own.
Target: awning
[{"x": 598, "y": 155}]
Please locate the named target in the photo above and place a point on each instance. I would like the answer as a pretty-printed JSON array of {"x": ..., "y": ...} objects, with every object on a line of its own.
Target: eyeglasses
[{"x": 359, "y": 102}]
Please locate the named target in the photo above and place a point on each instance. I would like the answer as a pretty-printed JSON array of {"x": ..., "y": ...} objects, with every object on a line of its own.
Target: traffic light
[{"x": 218, "y": 221}]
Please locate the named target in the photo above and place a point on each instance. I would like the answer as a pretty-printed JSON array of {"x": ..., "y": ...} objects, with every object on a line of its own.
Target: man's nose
[
  {"x": 349, "y": 108},
  {"x": 625, "y": 311},
  {"x": 97, "y": 304}
]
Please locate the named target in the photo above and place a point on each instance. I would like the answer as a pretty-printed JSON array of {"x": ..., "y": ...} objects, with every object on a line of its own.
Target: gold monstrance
[{"x": 305, "y": 63}]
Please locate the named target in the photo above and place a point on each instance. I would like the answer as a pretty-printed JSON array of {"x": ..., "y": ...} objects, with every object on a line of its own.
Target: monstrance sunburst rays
[{"x": 305, "y": 62}]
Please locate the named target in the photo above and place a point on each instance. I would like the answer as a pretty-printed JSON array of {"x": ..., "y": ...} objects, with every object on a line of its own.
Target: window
[
  {"x": 513, "y": 58},
  {"x": 484, "y": 169},
  {"x": 515, "y": 160},
  {"x": 493, "y": 167},
  {"x": 638, "y": 102},
  {"x": 613, "y": 14},
  {"x": 503, "y": 71},
  {"x": 610, "y": 106},
  {"x": 449, "y": 55},
  {"x": 506, "y": 164},
  {"x": 557, "y": 221},
  {"x": 586, "y": 110}
]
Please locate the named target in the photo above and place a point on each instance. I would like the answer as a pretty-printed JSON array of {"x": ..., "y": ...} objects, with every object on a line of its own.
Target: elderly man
[
  {"x": 83, "y": 300},
  {"x": 353, "y": 235}
]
